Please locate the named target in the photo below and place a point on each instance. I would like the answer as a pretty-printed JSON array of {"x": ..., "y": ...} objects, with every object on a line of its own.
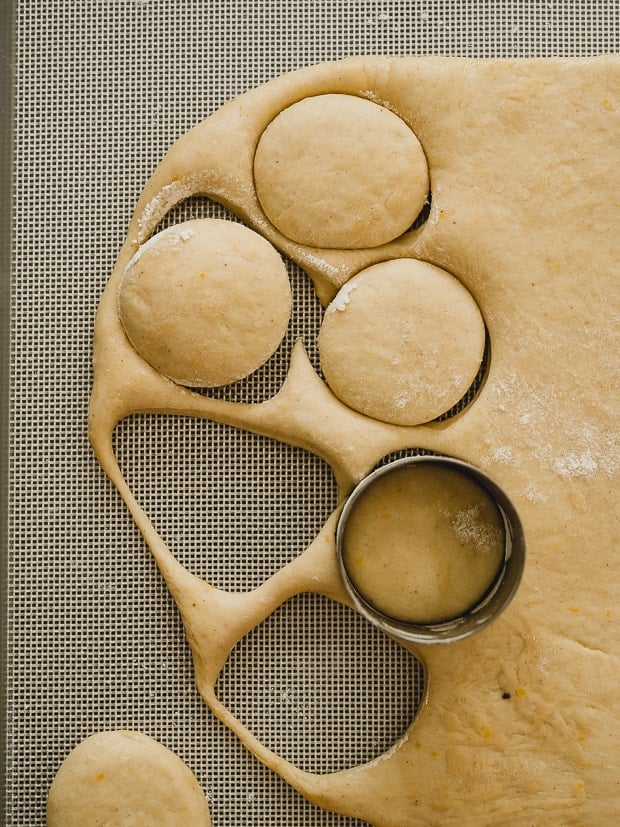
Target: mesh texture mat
[{"x": 94, "y": 642}]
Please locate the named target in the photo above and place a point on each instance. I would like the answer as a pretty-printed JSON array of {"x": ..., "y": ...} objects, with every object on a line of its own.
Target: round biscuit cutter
[{"x": 491, "y": 604}]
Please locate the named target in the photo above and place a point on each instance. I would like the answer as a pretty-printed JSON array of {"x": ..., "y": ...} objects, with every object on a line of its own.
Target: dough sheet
[{"x": 524, "y": 213}]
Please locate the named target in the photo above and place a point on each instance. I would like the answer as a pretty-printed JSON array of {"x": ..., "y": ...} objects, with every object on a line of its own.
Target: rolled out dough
[{"x": 520, "y": 725}]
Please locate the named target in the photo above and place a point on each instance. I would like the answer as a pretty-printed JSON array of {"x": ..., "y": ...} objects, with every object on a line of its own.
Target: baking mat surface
[{"x": 94, "y": 641}]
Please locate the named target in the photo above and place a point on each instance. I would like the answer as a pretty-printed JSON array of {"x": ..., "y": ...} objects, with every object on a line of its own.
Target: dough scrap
[
  {"x": 205, "y": 302},
  {"x": 402, "y": 341},
  {"x": 340, "y": 171},
  {"x": 525, "y": 213},
  {"x": 125, "y": 779}
]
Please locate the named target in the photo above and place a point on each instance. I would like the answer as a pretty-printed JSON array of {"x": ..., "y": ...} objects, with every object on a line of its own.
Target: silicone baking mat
[{"x": 100, "y": 89}]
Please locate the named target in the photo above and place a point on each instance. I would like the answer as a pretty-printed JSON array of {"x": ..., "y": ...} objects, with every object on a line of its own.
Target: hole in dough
[
  {"x": 309, "y": 682},
  {"x": 223, "y": 520},
  {"x": 205, "y": 302},
  {"x": 402, "y": 342},
  {"x": 338, "y": 171},
  {"x": 422, "y": 216}
]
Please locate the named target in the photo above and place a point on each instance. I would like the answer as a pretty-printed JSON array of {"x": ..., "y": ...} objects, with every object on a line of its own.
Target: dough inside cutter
[{"x": 423, "y": 543}]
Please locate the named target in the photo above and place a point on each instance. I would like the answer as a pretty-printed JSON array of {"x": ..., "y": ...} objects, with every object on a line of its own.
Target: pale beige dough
[
  {"x": 340, "y": 171},
  {"x": 520, "y": 723},
  {"x": 424, "y": 544},
  {"x": 125, "y": 779},
  {"x": 205, "y": 302},
  {"x": 402, "y": 342}
]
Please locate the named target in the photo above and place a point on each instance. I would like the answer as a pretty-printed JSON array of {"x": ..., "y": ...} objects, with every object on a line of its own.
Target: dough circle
[
  {"x": 125, "y": 779},
  {"x": 339, "y": 171},
  {"x": 424, "y": 543},
  {"x": 205, "y": 302},
  {"x": 402, "y": 342}
]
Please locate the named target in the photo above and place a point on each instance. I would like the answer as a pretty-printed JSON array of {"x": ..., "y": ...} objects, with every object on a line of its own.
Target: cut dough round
[
  {"x": 424, "y": 543},
  {"x": 402, "y": 342},
  {"x": 340, "y": 171},
  {"x": 125, "y": 779},
  {"x": 205, "y": 302}
]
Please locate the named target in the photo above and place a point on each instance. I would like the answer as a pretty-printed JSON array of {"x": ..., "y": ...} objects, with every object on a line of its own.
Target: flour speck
[
  {"x": 575, "y": 465},
  {"x": 342, "y": 298}
]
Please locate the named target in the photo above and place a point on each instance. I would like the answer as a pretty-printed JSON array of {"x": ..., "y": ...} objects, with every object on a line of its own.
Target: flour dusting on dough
[
  {"x": 503, "y": 454},
  {"x": 174, "y": 239},
  {"x": 535, "y": 496},
  {"x": 402, "y": 400},
  {"x": 576, "y": 465},
  {"x": 324, "y": 267},
  {"x": 370, "y": 95},
  {"x": 561, "y": 443},
  {"x": 343, "y": 297},
  {"x": 469, "y": 527},
  {"x": 162, "y": 202}
]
